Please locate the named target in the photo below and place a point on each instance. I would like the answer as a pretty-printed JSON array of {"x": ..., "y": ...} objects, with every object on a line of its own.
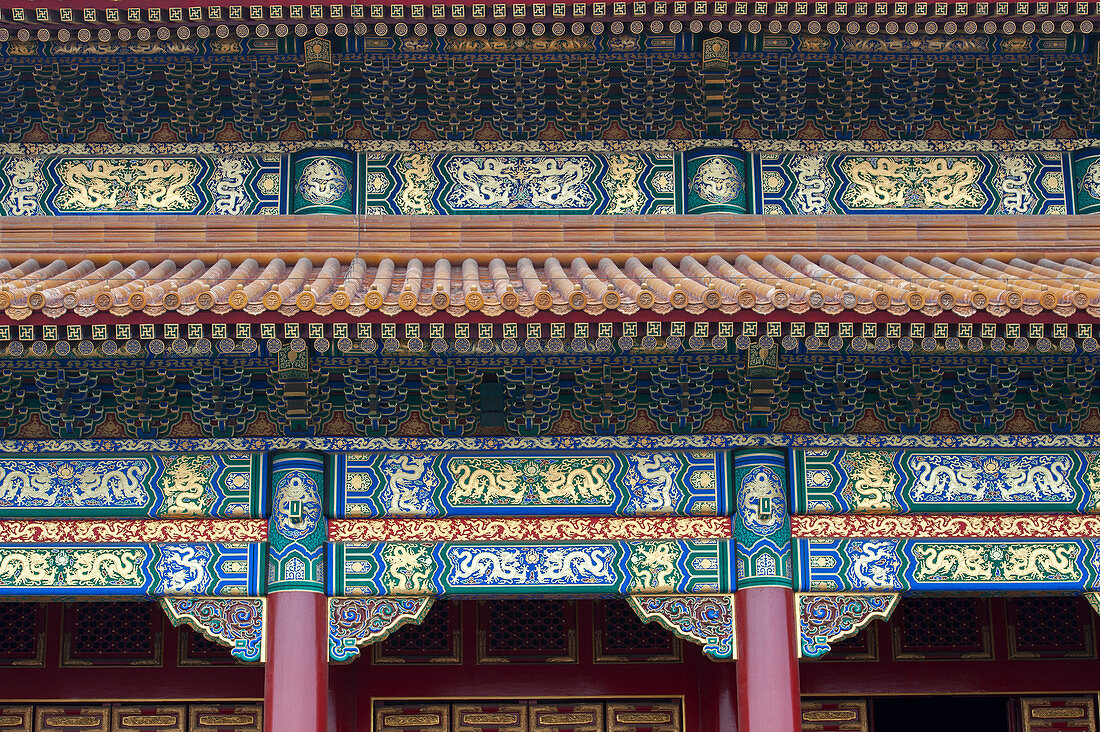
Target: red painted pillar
[
  {"x": 767, "y": 664},
  {"x": 767, "y": 667},
  {"x": 296, "y": 673}
]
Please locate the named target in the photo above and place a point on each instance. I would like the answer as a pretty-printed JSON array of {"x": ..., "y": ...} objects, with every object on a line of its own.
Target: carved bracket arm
[
  {"x": 235, "y": 622},
  {"x": 354, "y": 622},
  {"x": 826, "y": 618},
  {"x": 706, "y": 620}
]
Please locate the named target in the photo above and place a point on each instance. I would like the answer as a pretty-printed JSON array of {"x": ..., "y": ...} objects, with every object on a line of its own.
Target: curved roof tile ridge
[{"x": 799, "y": 283}]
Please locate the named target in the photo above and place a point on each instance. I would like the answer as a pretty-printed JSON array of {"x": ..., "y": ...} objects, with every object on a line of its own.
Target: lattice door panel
[
  {"x": 835, "y": 715},
  {"x": 1066, "y": 713}
]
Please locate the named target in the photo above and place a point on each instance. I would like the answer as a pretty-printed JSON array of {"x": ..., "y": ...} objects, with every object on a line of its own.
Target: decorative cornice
[
  {"x": 706, "y": 620},
  {"x": 564, "y": 442},
  {"x": 354, "y": 622},
  {"x": 237, "y": 623},
  {"x": 274, "y": 21}
]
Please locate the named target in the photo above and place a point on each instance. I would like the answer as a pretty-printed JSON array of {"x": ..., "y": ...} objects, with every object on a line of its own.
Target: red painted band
[
  {"x": 767, "y": 667},
  {"x": 296, "y": 674}
]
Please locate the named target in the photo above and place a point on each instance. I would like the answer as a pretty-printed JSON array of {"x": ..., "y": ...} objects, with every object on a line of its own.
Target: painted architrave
[
  {"x": 1013, "y": 183},
  {"x": 762, "y": 526},
  {"x": 855, "y": 480},
  {"x": 298, "y": 529},
  {"x": 827, "y": 618},
  {"x": 220, "y": 485},
  {"x": 700, "y": 566},
  {"x": 230, "y": 184},
  {"x": 548, "y": 183},
  {"x": 131, "y": 570},
  {"x": 354, "y": 622},
  {"x": 237, "y": 623},
  {"x": 528, "y": 483},
  {"x": 939, "y": 565},
  {"x": 706, "y": 620}
]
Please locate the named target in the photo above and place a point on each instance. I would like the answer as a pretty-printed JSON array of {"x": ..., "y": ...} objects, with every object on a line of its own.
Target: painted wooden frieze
[
  {"x": 901, "y": 565},
  {"x": 598, "y": 567},
  {"x": 160, "y": 485},
  {"x": 218, "y": 184},
  {"x": 914, "y": 481},
  {"x": 421, "y": 183},
  {"x": 1016, "y": 183},
  {"x": 131, "y": 570},
  {"x": 518, "y": 484}
]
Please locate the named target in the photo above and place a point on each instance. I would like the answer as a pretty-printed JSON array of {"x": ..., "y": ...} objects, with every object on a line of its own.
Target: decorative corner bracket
[
  {"x": 826, "y": 618},
  {"x": 706, "y": 620},
  {"x": 235, "y": 622},
  {"x": 354, "y": 622},
  {"x": 1094, "y": 601}
]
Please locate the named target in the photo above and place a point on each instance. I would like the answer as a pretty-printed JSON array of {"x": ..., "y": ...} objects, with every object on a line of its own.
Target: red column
[
  {"x": 767, "y": 667},
  {"x": 296, "y": 672}
]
